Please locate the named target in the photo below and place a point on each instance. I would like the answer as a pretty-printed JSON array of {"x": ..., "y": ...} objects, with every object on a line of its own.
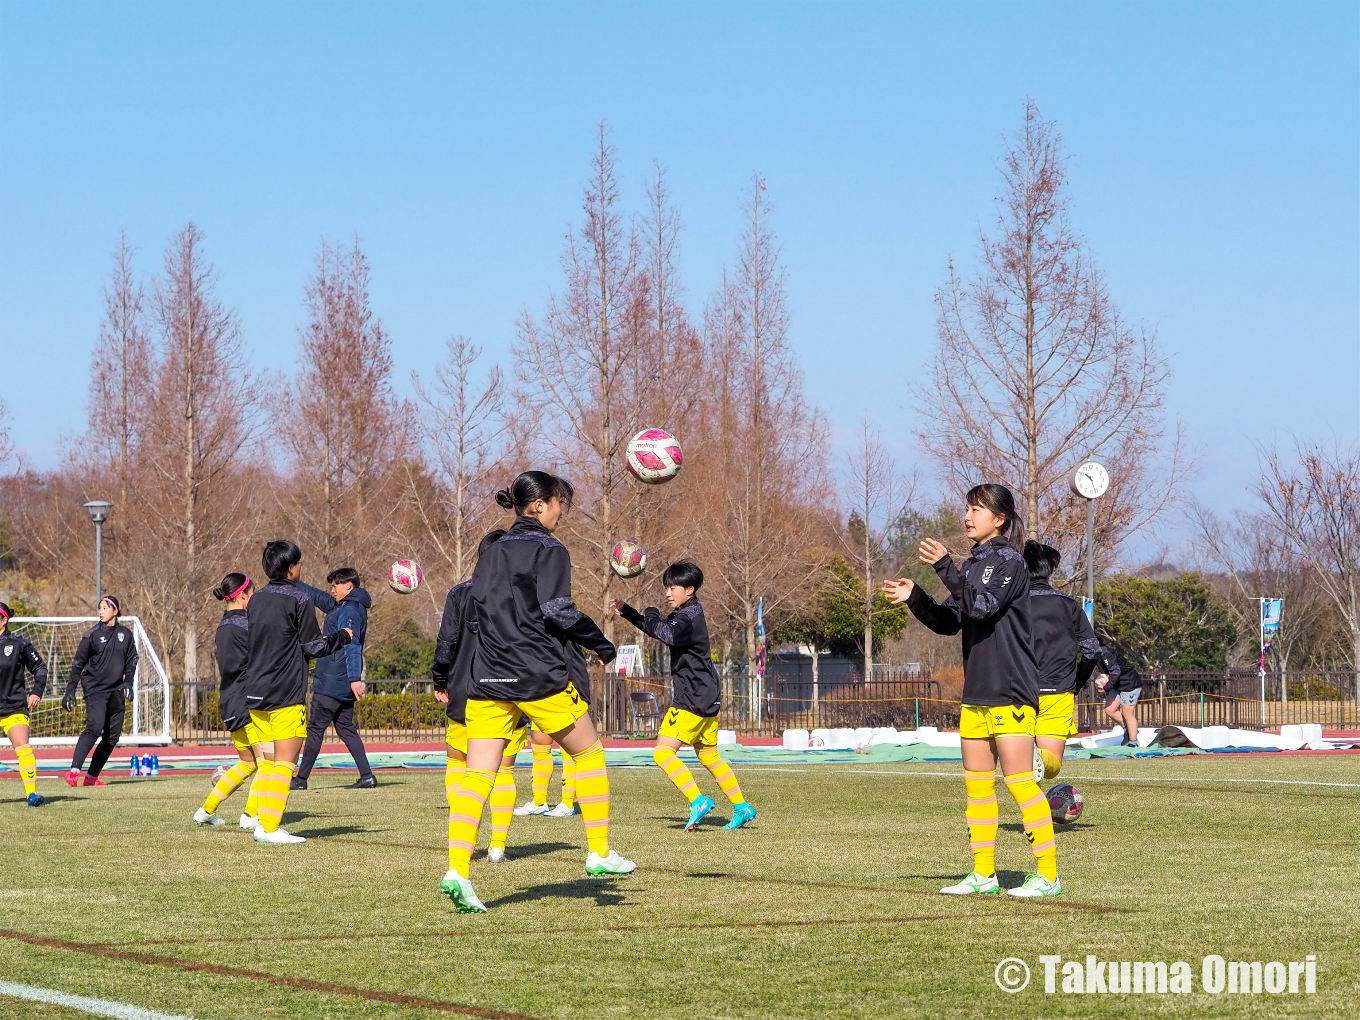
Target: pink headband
[
  {"x": 3, "y": 612},
  {"x": 244, "y": 585}
]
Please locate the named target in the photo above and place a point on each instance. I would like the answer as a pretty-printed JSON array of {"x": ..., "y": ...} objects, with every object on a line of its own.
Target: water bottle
[
  {"x": 135, "y": 766},
  {"x": 146, "y": 764},
  {"x": 155, "y": 765}
]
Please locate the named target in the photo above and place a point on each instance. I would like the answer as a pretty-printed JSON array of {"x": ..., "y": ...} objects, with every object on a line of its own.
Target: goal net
[{"x": 56, "y": 638}]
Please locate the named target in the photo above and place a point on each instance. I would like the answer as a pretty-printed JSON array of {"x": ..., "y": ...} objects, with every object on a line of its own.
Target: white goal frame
[{"x": 150, "y": 683}]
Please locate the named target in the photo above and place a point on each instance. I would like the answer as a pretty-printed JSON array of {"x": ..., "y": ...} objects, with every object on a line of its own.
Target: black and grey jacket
[
  {"x": 1123, "y": 677},
  {"x": 1065, "y": 646},
  {"x": 17, "y": 657},
  {"x": 989, "y": 601},
  {"x": 694, "y": 681},
  {"x": 453, "y": 651},
  {"x": 521, "y": 605},
  {"x": 233, "y": 655},
  {"x": 106, "y": 660},
  {"x": 283, "y": 636}
]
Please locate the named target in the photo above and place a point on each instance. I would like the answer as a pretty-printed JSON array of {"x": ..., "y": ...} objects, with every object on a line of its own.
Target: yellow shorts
[
  {"x": 456, "y": 736},
  {"x": 498, "y": 720},
  {"x": 1057, "y": 714},
  {"x": 689, "y": 728},
  {"x": 247, "y": 736},
  {"x": 17, "y": 719},
  {"x": 978, "y": 722},
  {"x": 287, "y": 723}
]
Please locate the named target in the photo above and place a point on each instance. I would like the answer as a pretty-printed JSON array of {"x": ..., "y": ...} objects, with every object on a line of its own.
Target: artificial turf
[{"x": 826, "y": 906}]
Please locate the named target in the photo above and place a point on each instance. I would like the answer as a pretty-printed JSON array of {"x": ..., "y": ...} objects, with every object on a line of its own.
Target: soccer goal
[{"x": 56, "y": 638}]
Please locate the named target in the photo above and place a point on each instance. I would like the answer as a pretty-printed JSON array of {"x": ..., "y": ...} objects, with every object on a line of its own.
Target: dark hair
[
  {"x": 5, "y": 611},
  {"x": 532, "y": 485},
  {"x": 488, "y": 540},
  {"x": 231, "y": 583},
  {"x": 117, "y": 609},
  {"x": 999, "y": 500},
  {"x": 1041, "y": 560},
  {"x": 685, "y": 574},
  {"x": 279, "y": 556},
  {"x": 343, "y": 575}
]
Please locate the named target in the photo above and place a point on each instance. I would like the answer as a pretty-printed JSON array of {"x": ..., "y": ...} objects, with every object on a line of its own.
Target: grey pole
[
  {"x": 1091, "y": 549},
  {"x": 98, "y": 509}
]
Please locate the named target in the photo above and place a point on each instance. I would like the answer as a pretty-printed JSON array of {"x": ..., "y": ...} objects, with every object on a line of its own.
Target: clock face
[{"x": 1090, "y": 480}]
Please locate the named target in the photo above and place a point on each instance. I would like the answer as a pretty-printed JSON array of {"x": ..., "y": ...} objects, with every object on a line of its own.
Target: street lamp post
[{"x": 98, "y": 509}]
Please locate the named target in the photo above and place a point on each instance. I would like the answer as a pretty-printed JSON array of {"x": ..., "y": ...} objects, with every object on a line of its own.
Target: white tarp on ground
[
  {"x": 865, "y": 736},
  {"x": 1290, "y": 738}
]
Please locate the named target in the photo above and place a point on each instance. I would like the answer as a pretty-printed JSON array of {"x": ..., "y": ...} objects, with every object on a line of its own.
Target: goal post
[{"x": 56, "y": 638}]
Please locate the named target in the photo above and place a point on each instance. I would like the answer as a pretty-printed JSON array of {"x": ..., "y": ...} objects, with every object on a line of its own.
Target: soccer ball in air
[
  {"x": 654, "y": 456},
  {"x": 628, "y": 558},
  {"x": 1066, "y": 803},
  {"x": 404, "y": 576}
]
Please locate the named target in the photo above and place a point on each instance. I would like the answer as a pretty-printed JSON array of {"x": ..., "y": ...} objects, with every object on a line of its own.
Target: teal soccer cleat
[
  {"x": 36, "y": 800},
  {"x": 698, "y": 811},
  {"x": 741, "y": 814}
]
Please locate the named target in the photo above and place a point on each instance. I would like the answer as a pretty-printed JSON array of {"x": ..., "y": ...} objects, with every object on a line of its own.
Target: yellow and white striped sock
[
  {"x": 253, "y": 797},
  {"x": 226, "y": 786},
  {"x": 982, "y": 818},
  {"x": 568, "y": 780},
  {"x": 502, "y": 803},
  {"x": 665, "y": 756},
  {"x": 1038, "y": 819},
  {"x": 28, "y": 767},
  {"x": 542, "y": 772},
  {"x": 453, "y": 775},
  {"x": 722, "y": 772},
  {"x": 592, "y": 789},
  {"x": 465, "y": 815},
  {"x": 1052, "y": 763},
  {"x": 273, "y": 794}
]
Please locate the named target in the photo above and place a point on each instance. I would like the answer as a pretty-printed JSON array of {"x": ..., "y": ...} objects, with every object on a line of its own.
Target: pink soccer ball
[
  {"x": 404, "y": 576},
  {"x": 628, "y": 558},
  {"x": 654, "y": 456}
]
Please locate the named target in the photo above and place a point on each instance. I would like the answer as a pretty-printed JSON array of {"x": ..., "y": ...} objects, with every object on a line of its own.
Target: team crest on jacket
[
  {"x": 9, "y": 649},
  {"x": 987, "y": 574},
  {"x": 120, "y": 636}
]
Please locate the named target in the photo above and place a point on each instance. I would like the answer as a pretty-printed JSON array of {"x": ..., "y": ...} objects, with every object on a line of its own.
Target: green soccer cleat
[
  {"x": 986, "y": 885},
  {"x": 741, "y": 814},
  {"x": 1036, "y": 885},
  {"x": 460, "y": 892},
  {"x": 611, "y": 865},
  {"x": 698, "y": 811}
]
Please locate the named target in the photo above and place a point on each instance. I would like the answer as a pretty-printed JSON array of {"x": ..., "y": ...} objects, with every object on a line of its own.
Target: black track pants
[
  {"x": 104, "y": 711},
  {"x": 326, "y": 711}
]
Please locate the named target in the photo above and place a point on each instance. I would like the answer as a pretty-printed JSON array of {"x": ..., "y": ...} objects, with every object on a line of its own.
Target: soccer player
[
  {"x": 283, "y": 636},
  {"x": 233, "y": 655},
  {"x": 18, "y": 656},
  {"x": 105, "y": 664},
  {"x": 525, "y": 619},
  {"x": 1122, "y": 686},
  {"x": 1065, "y": 651},
  {"x": 989, "y": 602},
  {"x": 696, "y": 694}
]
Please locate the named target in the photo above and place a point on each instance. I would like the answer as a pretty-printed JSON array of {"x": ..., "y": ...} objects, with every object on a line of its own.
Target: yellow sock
[
  {"x": 982, "y": 818},
  {"x": 542, "y": 772},
  {"x": 710, "y": 759},
  {"x": 1038, "y": 819},
  {"x": 592, "y": 787},
  {"x": 502, "y": 803},
  {"x": 465, "y": 815},
  {"x": 453, "y": 775},
  {"x": 28, "y": 767},
  {"x": 671, "y": 764},
  {"x": 1052, "y": 763},
  {"x": 568, "y": 780},
  {"x": 226, "y": 786},
  {"x": 253, "y": 797},
  {"x": 273, "y": 794}
]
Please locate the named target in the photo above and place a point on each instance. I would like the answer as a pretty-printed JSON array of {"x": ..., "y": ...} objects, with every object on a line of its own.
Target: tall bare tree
[{"x": 6, "y": 443}]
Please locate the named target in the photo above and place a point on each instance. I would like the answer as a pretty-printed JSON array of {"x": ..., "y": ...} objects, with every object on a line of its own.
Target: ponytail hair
[
  {"x": 231, "y": 587},
  {"x": 279, "y": 557},
  {"x": 999, "y": 500},
  {"x": 520, "y": 494},
  {"x": 488, "y": 540},
  {"x": 1041, "y": 560}
]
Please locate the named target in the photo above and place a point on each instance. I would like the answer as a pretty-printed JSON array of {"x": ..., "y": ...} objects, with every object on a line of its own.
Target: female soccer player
[
  {"x": 233, "y": 655},
  {"x": 1121, "y": 686},
  {"x": 1065, "y": 651},
  {"x": 105, "y": 665},
  {"x": 525, "y": 620},
  {"x": 541, "y": 745},
  {"x": 17, "y": 655},
  {"x": 283, "y": 636},
  {"x": 696, "y": 694},
  {"x": 989, "y": 602}
]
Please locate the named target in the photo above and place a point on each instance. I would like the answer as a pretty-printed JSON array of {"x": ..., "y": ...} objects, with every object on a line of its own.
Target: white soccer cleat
[
  {"x": 1040, "y": 769},
  {"x": 247, "y": 822},
  {"x": 460, "y": 892},
  {"x": 611, "y": 865},
  {"x": 562, "y": 811},
  {"x": 496, "y": 855},
  {"x": 278, "y": 836},
  {"x": 531, "y": 809},
  {"x": 202, "y": 817},
  {"x": 1036, "y": 885},
  {"x": 973, "y": 883}
]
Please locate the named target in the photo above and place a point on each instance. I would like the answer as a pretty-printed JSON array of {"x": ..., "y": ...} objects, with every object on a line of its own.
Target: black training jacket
[
  {"x": 521, "y": 603},
  {"x": 989, "y": 601},
  {"x": 1123, "y": 677},
  {"x": 694, "y": 681},
  {"x": 17, "y": 656},
  {"x": 233, "y": 655},
  {"x": 1065, "y": 646},
  {"x": 283, "y": 636},
  {"x": 453, "y": 651},
  {"x": 106, "y": 659}
]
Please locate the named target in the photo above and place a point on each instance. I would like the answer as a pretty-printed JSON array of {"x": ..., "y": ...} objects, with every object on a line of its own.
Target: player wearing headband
[
  {"x": 17, "y": 657},
  {"x": 105, "y": 665}
]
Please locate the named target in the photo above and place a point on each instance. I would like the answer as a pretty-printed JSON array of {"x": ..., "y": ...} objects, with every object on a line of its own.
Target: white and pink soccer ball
[
  {"x": 404, "y": 576},
  {"x": 628, "y": 558},
  {"x": 654, "y": 456}
]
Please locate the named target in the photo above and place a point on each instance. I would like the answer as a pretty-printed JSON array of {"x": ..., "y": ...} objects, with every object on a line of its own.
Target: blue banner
[{"x": 1271, "y": 612}]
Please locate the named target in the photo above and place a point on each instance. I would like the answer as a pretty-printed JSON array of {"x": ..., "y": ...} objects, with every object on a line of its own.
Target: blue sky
[{"x": 1215, "y": 168}]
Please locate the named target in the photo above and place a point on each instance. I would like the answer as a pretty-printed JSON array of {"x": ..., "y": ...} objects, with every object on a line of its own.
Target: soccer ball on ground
[
  {"x": 628, "y": 558},
  {"x": 1066, "y": 803},
  {"x": 219, "y": 772},
  {"x": 654, "y": 456},
  {"x": 404, "y": 576}
]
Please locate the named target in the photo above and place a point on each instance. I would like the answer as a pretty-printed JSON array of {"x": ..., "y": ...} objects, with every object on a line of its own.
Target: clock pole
[
  {"x": 1090, "y": 480},
  {"x": 1091, "y": 549}
]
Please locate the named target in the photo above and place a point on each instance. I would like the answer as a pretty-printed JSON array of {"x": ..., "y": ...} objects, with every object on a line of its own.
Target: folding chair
[{"x": 643, "y": 705}]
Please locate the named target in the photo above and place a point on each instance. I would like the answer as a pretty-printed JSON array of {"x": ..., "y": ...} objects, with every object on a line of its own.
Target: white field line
[
  {"x": 1107, "y": 779},
  {"x": 96, "y": 1007}
]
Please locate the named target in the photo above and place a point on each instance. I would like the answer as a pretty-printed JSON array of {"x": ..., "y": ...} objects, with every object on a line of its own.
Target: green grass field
[{"x": 825, "y": 907}]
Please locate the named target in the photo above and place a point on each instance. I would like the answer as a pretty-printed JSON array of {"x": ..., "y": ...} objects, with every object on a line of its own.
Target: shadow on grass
[
  {"x": 336, "y": 830},
  {"x": 576, "y": 889},
  {"x": 533, "y": 849}
]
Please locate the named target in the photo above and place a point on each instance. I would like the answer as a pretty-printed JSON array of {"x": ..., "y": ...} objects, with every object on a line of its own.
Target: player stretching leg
[
  {"x": 104, "y": 665},
  {"x": 696, "y": 694},
  {"x": 989, "y": 602},
  {"x": 16, "y": 657}
]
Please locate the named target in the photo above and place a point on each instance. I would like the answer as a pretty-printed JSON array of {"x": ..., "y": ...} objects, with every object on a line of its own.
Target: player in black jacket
[
  {"x": 283, "y": 636},
  {"x": 1066, "y": 651},
  {"x": 696, "y": 694},
  {"x": 233, "y": 655},
  {"x": 17, "y": 657},
  {"x": 989, "y": 602},
  {"x": 105, "y": 665},
  {"x": 522, "y": 608},
  {"x": 1121, "y": 685}
]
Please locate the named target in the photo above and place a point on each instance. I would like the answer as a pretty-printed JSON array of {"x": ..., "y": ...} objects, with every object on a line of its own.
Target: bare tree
[
  {"x": 1036, "y": 369},
  {"x": 6, "y": 443}
]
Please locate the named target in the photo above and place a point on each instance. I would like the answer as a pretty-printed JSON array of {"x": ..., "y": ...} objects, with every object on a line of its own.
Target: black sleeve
[
  {"x": 323, "y": 600},
  {"x": 942, "y": 619},
  {"x": 130, "y": 661},
  {"x": 633, "y": 616},
  {"x": 36, "y": 666},
  {"x": 980, "y": 602},
  {"x": 81, "y": 660},
  {"x": 1086, "y": 636},
  {"x": 560, "y": 612},
  {"x": 314, "y": 646},
  {"x": 446, "y": 643},
  {"x": 677, "y": 634},
  {"x": 1109, "y": 665},
  {"x": 232, "y": 655}
]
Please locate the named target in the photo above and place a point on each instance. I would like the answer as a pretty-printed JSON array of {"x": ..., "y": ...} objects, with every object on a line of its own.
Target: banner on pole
[
  {"x": 1271, "y": 612},
  {"x": 1088, "y": 606}
]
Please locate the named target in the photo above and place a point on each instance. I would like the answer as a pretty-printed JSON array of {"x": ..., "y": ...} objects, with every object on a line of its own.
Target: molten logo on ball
[
  {"x": 654, "y": 456},
  {"x": 1066, "y": 803},
  {"x": 628, "y": 558},
  {"x": 404, "y": 576}
]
